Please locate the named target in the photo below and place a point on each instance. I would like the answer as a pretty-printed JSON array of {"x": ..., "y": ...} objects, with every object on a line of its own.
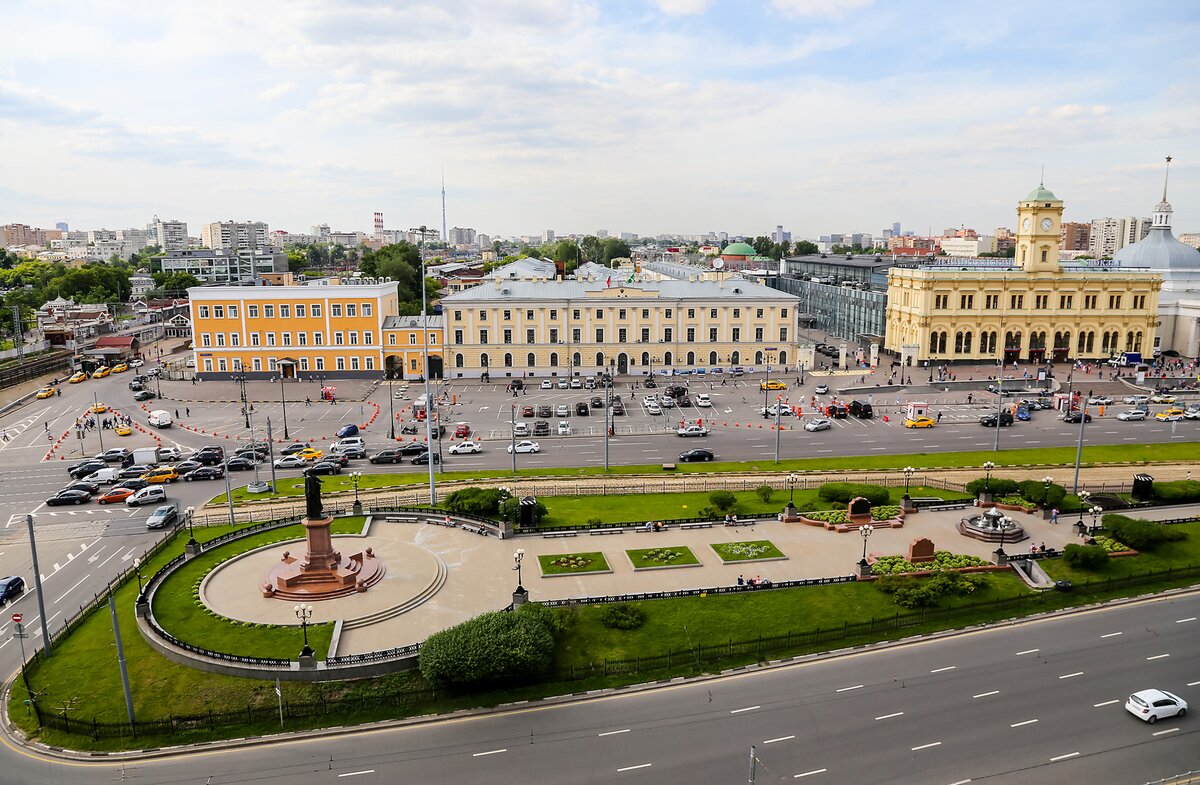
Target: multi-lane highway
[{"x": 1040, "y": 702}]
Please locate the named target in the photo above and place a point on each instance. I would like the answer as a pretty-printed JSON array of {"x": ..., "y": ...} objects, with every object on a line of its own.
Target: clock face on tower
[
  {"x": 1025, "y": 224},
  {"x": 1046, "y": 224}
]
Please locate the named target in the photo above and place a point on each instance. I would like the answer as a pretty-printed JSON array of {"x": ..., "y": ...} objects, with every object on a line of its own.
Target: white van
[
  {"x": 103, "y": 477},
  {"x": 160, "y": 418}
]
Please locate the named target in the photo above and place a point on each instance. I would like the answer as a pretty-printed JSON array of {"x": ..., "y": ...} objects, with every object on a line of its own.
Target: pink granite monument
[{"x": 323, "y": 573}]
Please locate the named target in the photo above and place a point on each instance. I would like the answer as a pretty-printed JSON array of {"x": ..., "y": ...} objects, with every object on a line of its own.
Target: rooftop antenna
[
  {"x": 1166, "y": 176},
  {"x": 445, "y": 237},
  {"x": 1042, "y": 181}
]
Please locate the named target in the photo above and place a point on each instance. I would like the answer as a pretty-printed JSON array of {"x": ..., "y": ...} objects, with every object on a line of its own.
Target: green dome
[
  {"x": 739, "y": 249},
  {"x": 1040, "y": 194}
]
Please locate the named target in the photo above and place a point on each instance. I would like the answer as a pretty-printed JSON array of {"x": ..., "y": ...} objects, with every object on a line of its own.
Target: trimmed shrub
[
  {"x": 722, "y": 500},
  {"x": 1139, "y": 534},
  {"x": 1177, "y": 491},
  {"x": 482, "y": 502},
  {"x": 845, "y": 491},
  {"x": 1085, "y": 557},
  {"x": 764, "y": 492},
  {"x": 494, "y": 647},
  {"x": 1036, "y": 492},
  {"x": 510, "y": 510},
  {"x": 998, "y": 486},
  {"x": 622, "y": 616},
  {"x": 910, "y": 592}
]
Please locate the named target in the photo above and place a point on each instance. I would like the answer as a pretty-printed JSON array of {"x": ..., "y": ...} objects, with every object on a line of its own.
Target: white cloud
[
  {"x": 682, "y": 7},
  {"x": 277, "y": 91},
  {"x": 825, "y": 8}
]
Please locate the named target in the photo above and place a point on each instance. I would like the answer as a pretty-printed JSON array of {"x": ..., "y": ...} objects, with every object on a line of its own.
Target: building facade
[
  {"x": 168, "y": 235},
  {"x": 521, "y": 327},
  {"x": 294, "y": 331},
  {"x": 1029, "y": 309},
  {"x": 404, "y": 342},
  {"x": 235, "y": 235},
  {"x": 224, "y": 266}
]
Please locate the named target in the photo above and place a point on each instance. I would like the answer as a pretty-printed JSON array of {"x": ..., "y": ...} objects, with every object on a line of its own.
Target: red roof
[{"x": 115, "y": 342}]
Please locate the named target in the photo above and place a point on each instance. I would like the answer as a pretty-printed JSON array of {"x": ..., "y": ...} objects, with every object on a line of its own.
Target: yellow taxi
[
  {"x": 123, "y": 430},
  {"x": 45, "y": 392},
  {"x": 161, "y": 474},
  {"x": 772, "y": 384},
  {"x": 1174, "y": 414},
  {"x": 920, "y": 422},
  {"x": 77, "y": 378},
  {"x": 310, "y": 454},
  {"x": 99, "y": 408},
  {"x": 120, "y": 368},
  {"x": 101, "y": 372}
]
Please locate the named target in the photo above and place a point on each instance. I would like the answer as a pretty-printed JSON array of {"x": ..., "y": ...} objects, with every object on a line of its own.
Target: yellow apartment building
[
  {"x": 404, "y": 346},
  {"x": 1028, "y": 309}
]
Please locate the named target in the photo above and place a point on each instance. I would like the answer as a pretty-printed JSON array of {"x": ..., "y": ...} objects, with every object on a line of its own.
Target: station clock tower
[{"x": 1039, "y": 221}]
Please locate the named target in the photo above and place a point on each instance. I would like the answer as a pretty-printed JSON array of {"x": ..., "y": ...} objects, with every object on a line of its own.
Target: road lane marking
[
  {"x": 942, "y": 670},
  {"x": 1019, "y": 724},
  {"x": 73, "y": 588},
  {"x": 613, "y": 732},
  {"x": 1064, "y": 757},
  {"x": 809, "y": 773},
  {"x": 748, "y": 708},
  {"x": 1105, "y": 703},
  {"x": 356, "y": 773},
  {"x": 1071, "y": 675},
  {"x": 489, "y": 752},
  {"x": 1189, "y": 618},
  {"x": 847, "y": 689},
  {"x": 889, "y": 716},
  {"x": 926, "y": 746},
  {"x": 1111, "y": 634},
  {"x": 781, "y": 738},
  {"x": 960, "y": 782},
  {"x": 1165, "y": 732},
  {"x": 1193, "y": 683},
  {"x": 1158, "y": 656},
  {"x": 1028, "y": 651},
  {"x": 986, "y": 694},
  {"x": 639, "y": 766}
]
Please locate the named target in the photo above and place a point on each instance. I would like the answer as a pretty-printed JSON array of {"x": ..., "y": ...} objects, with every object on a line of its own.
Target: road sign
[{"x": 16, "y": 617}]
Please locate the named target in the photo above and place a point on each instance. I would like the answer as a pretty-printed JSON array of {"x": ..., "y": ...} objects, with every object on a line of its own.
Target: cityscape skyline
[{"x": 676, "y": 117}]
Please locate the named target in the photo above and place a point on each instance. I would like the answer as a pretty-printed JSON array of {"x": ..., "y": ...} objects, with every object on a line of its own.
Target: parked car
[
  {"x": 290, "y": 462},
  {"x": 143, "y": 395},
  {"x": 1074, "y": 416},
  {"x": 136, "y": 386},
  {"x": 1153, "y": 705},
  {"x": 324, "y": 467},
  {"x": 821, "y": 389},
  {"x": 575, "y": 383},
  {"x": 782, "y": 408},
  {"x": 136, "y": 362},
  {"x": 347, "y": 430},
  {"x": 521, "y": 429},
  {"x": 204, "y": 473},
  {"x": 562, "y": 410},
  {"x": 162, "y": 517},
  {"x": 989, "y": 420},
  {"x": 525, "y": 447},
  {"x": 462, "y": 430},
  {"x": 423, "y": 458},
  {"x": 547, "y": 384},
  {"x": 68, "y": 496},
  {"x": 562, "y": 384},
  {"x": 545, "y": 410},
  {"x": 581, "y": 409},
  {"x": 617, "y": 406},
  {"x": 11, "y": 587},
  {"x": 597, "y": 402},
  {"x": 564, "y": 428},
  {"x": 818, "y": 425},
  {"x": 1132, "y": 414},
  {"x": 528, "y": 411},
  {"x": 541, "y": 428},
  {"x": 652, "y": 407},
  {"x": 1162, "y": 398},
  {"x": 772, "y": 384},
  {"x": 76, "y": 378},
  {"x": 692, "y": 430},
  {"x": 698, "y": 454},
  {"x": 703, "y": 400},
  {"x": 466, "y": 447}
]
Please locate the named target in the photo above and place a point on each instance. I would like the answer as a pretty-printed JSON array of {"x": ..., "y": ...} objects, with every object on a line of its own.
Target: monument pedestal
[
  {"x": 192, "y": 549},
  {"x": 520, "y": 597},
  {"x": 863, "y": 569},
  {"x": 323, "y": 573},
  {"x": 308, "y": 662}
]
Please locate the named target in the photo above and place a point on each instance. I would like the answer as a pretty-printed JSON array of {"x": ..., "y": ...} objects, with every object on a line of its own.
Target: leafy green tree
[
  {"x": 804, "y": 247},
  {"x": 614, "y": 249},
  {"x": 762, "y": 245},
  {"x": 593, "y": 249}
]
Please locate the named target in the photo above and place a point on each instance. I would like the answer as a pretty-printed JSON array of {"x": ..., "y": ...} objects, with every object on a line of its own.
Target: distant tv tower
[{"x": 445, "y": 237}]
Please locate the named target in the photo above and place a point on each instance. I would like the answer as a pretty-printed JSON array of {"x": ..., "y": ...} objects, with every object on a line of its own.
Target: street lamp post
[
  {"x": 866, "y": 530},
  {"x": 1083, "y": 417},
  {"x": 512, "y": 447},
  {"x": 391, "y": 414},
  {"x": 1083, "y": 502},
  {"x": 283, "y": 400},
  {"x": 987, "y": 479},
  {"x": 1003, "y": 531},
  {"x": 1096, "y": 512},
  {"x": 908, "y": 473},
  {"x": 518, "y": 557},
  {"x": 425, "y": 372},
  {"x": 355, "y": 477},
  {"x": 792, "y": 479},
  {"x": 189, "y": 513},
  {"x": 304, "y": 613},
  {"x": 1047, "y": 481},
  {"x": 929, "y": 363},
  {"x": 137, "y": 567}
]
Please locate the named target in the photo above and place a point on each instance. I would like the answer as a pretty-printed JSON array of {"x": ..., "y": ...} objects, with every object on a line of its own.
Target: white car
[
  {"x": 821, "y": 389},
  {"x": 666, "y": 402},
  {"x": 576, "y": 384},
  {"x": 817, "y": 425},
  {"x": 521, "y": 429},
  {"x": 692, "y": 430},
  {"x": 467, "y": 447},
  {"x": 564, "y": 428},
  {"x": 525, "y": 446},
  {"x": 1100, "y": 400},
  {"x": 1136, "y": 399},
  {"x": 783, "y": 409},
  {"x": 1192, "y": 413},
  {"x": 563, "y": 384},
  {"x": 137, "y": 362},
  {"x": 562, "y": 410},
  {"x": 1154, "y": 705},
  {"x": 703, "y": 401},
  {"x": 1132, "y": 414},
  {"x": 653, "y": 408},
  {"x": 290, "y": 462},
  {"x": 547, "y": 384},
  {"x": 191, "y": 363}
]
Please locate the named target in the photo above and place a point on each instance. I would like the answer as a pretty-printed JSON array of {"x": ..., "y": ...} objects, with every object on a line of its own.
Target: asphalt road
[{"x": 1040, "y": 702}]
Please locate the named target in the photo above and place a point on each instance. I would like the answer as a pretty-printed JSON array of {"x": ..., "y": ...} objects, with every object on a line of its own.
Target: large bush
[
  {"x": 1085, "y": 557},
  {"x": 495, "y": 647},
  {"x": 998, "y": 486},
  {"x": 845, "y": 491},
  {"x": 483, "y": 502},
  {"x": 1141, "y": 535},
  {"x": 1036, "y": 492},
  {"x": 1177, "y": 491},
  {"x": 910, "y": 592},
  {"x": 722, "y": 500},
  {"x": 622, "y": 616}
]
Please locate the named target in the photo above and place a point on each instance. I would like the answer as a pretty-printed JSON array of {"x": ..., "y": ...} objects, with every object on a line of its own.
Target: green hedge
[
  {"x": 482, "y": 502},
  {"x": 845, "y": 491},
  {"x": 942, "y": 560},
  {"x": 998, "y": 486},
  {"x": 1177, "y": 491},
  {"x": 1033, "y": 491},
  {"x": 1085, "y": 557},
  {"x": 500, "y": 646},
  {"x": 1141, "y": 535}
]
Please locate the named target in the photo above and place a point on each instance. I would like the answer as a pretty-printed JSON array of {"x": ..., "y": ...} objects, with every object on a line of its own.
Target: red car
[
  {"x": 116, "y": 495},
  {"x": 526, "y": 411},
  {"x": 462, "y": 431}
]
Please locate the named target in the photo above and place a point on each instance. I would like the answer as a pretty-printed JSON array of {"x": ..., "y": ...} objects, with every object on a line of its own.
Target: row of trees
[
  {"x": 402, "y": 263},
  {"x": 765, "y": 246}
]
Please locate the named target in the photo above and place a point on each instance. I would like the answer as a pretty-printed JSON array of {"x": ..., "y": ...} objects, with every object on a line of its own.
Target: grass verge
[
  {"x": 573, "y": 563},
  {"x": 674, "y": 556}
]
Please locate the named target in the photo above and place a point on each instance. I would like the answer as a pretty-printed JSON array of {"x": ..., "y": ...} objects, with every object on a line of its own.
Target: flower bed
[
  {"x": 1013, "y": 503},
  {"x": 750, "y": 550},
  {"x": 1111, "y": 545},
  {"x": 573, "y": 563},
  {"x": 884, "y": 512},
  {"x": 661, "y": 558},
  {"x": 942, "y": 560}
]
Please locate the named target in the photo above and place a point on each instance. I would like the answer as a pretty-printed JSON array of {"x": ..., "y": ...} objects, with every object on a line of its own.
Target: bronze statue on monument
[{"x": 312, "y": 497}]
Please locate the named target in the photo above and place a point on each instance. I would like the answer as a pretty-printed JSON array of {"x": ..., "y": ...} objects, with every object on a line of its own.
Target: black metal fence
[{"x": 16, "y": 372}]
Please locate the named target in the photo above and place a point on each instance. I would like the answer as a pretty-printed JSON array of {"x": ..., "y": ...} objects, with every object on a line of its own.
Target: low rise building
[{"x": 215, "y": 265}]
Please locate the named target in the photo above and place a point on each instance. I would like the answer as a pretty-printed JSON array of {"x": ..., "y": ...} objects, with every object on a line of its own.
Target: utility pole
[
  {"x": 752, "y": 760},
  {"x": 37, "y": 582},
  {"x": 112, "y": 610}
]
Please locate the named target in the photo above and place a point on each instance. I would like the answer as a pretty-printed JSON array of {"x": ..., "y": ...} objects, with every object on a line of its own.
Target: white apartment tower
[
  {"x": 168, "y": 235},
  {"x": 235, "y": 234},
  {"x": 1110, "y": 235}
]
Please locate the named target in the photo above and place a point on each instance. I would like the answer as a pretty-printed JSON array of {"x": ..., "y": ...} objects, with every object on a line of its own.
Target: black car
[
  {"x": 294, "y": 447},
  {"x": 989, "y": 420},
  {"x": 545, "y": 410},
  {"x": 1074, "y": 416},
  {"x": 183, "y": 467},
  {"x": 239, "y": 464},
  {"x": 68, "y": 496},
  {"x": 338, "y": 458},
  {"x": 617, "y": 406},
  {"x": 675, "y": 391},
  {"x": 581, "y": 409},
  {"x": 143, "y": 395},
  {"x": 207, "y": 458},
  {"x": 597, "y": 402},
  {"x": 203, "y": 473},
  {"x": 541, "y": 428},
  {"x": 683, "y": 402},
  {"x": 90, "y": 487},
  {"x": 136, "y": 386},
  {"x": 423, "y": 458},
  {"x": 133, "y": 484},
  {"x": 255, "y": 453},
  {"x": 11, "y": 588},
  {"x": 84, "y": 468},
  {"x": 649, "y": 383},
  {"x": 324, "y": 467},
  {"x": 698, "y": 454}
]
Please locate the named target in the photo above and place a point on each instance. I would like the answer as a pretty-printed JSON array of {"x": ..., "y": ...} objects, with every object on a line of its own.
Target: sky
[{"x": 647, "y": 116}]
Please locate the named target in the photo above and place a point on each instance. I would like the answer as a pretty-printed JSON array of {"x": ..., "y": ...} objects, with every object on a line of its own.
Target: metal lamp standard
[
  {"x": 518, "y": 557},
  {"x": 391, "y": 414},
  {"x": 355, "y": 477},
  {"x": 137, "y": 567},
  {"x": 283, "y": 400},
  {"x": 908, "y": 473},
  {"x": 792, "y": 479},
  {"x": 425, "y": 372},
  {"x": 304, "y": 613},
  {"x": 1083, "y": 502},
  {"x": 987, "y": 476},
  {"x": 1096, "y": 513},
  {"x": 1047, "y": 481},
  {"x": 865, "y": 531},
  {"x": 189, "y": 513}
]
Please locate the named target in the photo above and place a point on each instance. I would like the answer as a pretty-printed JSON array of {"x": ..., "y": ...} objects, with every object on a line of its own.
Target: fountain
[{"x": 992, "y": 526}]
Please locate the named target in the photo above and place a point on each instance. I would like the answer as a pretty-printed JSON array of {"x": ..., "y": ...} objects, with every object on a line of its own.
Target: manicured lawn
[
  {"x": 573, "y": 563},
  {"x": 747, "y": 551},
  {"x": 1171, "y": 554},
  {"x": 1044, "y": 456},
  {"x": 675, "y": 556}
]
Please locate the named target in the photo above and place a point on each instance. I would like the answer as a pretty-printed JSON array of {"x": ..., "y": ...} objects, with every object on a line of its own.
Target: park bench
[
  {"x": 473, "y": 528},
  {"x": 402, "y": 518},
  {"x": 668, "y": 467},
  {"x": 707, "y": 525},
  {"x": 947, "y": 506},
  {"x": 606, "y": 531},
  {"x": 560, "y": 534}
]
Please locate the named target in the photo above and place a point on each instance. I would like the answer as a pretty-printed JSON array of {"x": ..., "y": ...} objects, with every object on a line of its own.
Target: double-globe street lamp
[
  {"x": 304, "y": 613},
  {"x": 866, "y": 530},
  {"x": 1083, "y": 508},
  {"x": 987, "y": 474},
  {"x": 518, "y": 557},
  {"x": 1096, "y": 513},
  {"x": 908, "y": 473}
]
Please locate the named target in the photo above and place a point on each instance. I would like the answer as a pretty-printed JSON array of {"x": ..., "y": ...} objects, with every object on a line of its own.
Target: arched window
[
  {"x": 758, "y": 358},
  {"x": 1022, "y": 255},
  {"x": 458, "y": 361},
  {"x": 508, "y": 360},
  {"x": 735, "y": 358},
  {"x": 1129, "y": 341},
  {"x": 530, "y": 360},
  {"x": 691, "y": 358},
  {"x": 576, "y": 359},
  {"x": 553, "y": 359},
  {"x": 967, "y": 340},
  {"x": 783, "y": 358},
  {"x": 1081, "y": 344},
  {"x": 600, "y": 360},
  {"x": 667, "y": 358},
  {"x": 942, "y": 342},
  {"x": 1137, "y": 341},
  {"x": 958, "y": 342},
  {"x": 712, "y": 358},
  {"x": 933, "y": 342},
  {"x": 645, "y": 359},
  {"x": 1091, "y": 342},
  {"x": 483, "y": 360}
]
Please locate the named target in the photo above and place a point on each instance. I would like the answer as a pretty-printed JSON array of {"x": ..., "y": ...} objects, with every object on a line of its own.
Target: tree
[
  {"x": 762, "y": 245},
  {"x": 804, "y": 247},
  {"x": 593, "y": 249},
  {"x": 614, "y": 249}
]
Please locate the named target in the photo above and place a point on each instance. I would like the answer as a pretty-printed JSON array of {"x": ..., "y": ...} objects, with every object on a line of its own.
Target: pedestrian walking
[
  {"x": 969, "y": 398},
  {"x": 939, "y": 417},
  {"x": 193, "y": 381},
  {"x": 1054, "y": 515},
  {"x": 187, "y": 410},
  {"x": 176, "y": 414}
]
